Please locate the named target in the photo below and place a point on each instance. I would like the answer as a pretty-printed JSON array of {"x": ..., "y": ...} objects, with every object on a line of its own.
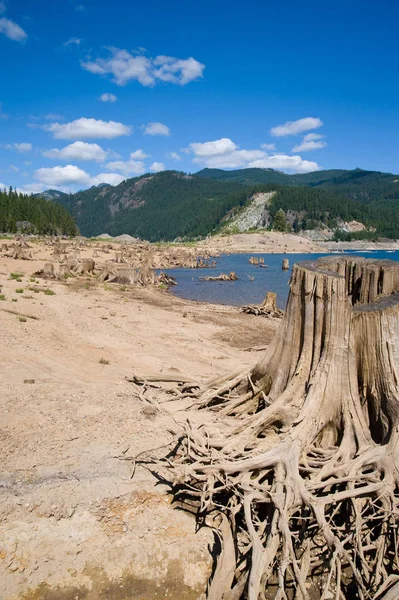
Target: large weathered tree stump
[{"x": 298, "y": 470}]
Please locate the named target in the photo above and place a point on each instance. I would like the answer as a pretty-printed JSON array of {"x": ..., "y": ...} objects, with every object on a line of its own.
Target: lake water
[{"x": 245, "y": 291}]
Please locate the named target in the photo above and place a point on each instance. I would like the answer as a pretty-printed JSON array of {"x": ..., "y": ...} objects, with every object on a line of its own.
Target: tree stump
[
  {"x": 268, "y": 308},
  {"x": 297, "y": 465},
  {"x": 87, "y": 266},
  {"x": 47, "y": 272}
]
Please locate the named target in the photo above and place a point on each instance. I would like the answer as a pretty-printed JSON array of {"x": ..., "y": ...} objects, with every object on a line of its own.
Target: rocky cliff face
[{"x": 254, "y": 216}]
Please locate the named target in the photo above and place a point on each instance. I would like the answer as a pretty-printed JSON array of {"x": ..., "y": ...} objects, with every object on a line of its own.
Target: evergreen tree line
[
  {"x": 321, "y": 206},
  {"x": 171, "y": 205},
  {"x": 19, "y": 212}
]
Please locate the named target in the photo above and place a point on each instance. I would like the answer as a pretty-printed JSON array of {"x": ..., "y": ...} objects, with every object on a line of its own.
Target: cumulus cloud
[
  {"x": 174, "y": 156},
  {"x": 128, "y": 167},
  {"x": 215, "y": 148},
  {"x": 111, "y": 178},
  {"x": 310, "y": 142},
  {"x": 78, "y": 151},
  {"x": 32, "y": 188},
  {"x": 310, "y": 137},
  {"x": 88, "y": 128},
  {"x": 157, "y": 167},
  {"x": 108, "y": 98},
  {"x": 268, "y": 147},
  {"x": 62, "y": 176},
  {"x": 124, "y": 66},
  {"x": 139, "y": 155},
  {"x": 283, "y": 162},
  {"x": 71, "y": 176},
  {"x": 72, "y": 42},
  {"x": 225, "y": 154},
  {"x": 295, "y": 127},
  {"x": 155, "y": 129},
  {"x": 11, "y": 29},
  {"x": 21, "y": 148}
]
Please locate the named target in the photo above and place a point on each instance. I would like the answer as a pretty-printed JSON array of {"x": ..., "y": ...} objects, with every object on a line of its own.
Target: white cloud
[
  {"x": 72, "y": 42},
  {"x": 70, "y": 177},
  {"x": 295, "y": 127},
  {"x": 88, "y": 128},
  {"x": 32, "y": 188},
  {"x": 157, "y": 167},
  {"x": 155, "y": 129},
  {"x": 310, "y": 137},
  {"x": 268, "y": 147},
  {"x": 139, "y": 155},
  {"x": 128, "y": 167},
  {"x": 225, "y": 154},
  {"x": 111, "y": 178},
  {"x": 215, "y": 148},
  {"x": 178, "y": 71},
  {"x": 13, "y": 168},
  {"x": 12, "y": 30},
  {"x": 21, "y": 148},
  {"x": 124, "y": 67},
  {"x": 307, "y": 146},
  {"x": 174, "y": 156},
  {"x": 78, "y": 151},
  {"x": 282, "y": 162},
  {"x": 108, "y": 98},
  {"x": 62, "y": 176}
]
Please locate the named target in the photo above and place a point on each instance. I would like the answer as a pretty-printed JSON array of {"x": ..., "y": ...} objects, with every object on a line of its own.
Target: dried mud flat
[{"x": 73, "y": 523}]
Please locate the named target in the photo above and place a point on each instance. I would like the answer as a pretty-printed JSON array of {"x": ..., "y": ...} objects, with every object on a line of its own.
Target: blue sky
[{"x": 93, "y": 90}]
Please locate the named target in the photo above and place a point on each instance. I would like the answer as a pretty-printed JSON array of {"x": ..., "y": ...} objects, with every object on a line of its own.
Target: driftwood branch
[{"x": 19, "y": 314}]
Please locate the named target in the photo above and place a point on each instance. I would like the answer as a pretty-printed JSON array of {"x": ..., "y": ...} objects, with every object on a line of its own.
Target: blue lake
[{"x": 245, "y": 291}]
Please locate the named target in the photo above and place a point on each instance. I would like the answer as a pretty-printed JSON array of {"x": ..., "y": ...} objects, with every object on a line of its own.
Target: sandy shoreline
[
  {"x": 274, "y": 242},
  {"x": 73, "y": 523}
]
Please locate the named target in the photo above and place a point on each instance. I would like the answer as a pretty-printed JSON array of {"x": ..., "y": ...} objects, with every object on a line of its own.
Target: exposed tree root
[{"x": 297, "y": 469}]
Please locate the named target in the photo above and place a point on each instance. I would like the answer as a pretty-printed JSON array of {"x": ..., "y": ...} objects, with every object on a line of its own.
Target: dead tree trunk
[{"x": 299, "y": 470}]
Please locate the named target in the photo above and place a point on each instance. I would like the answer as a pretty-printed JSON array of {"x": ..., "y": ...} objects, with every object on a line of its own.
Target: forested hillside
[
  {"x": 33, "y": 215},
  {"x": 157, "y": 207},
  {"x": 357, "y": 183},
  {"x": 321, "y": 205},
  {"x": 171, "y": 204},
  {"x": 261, "y": 176}
]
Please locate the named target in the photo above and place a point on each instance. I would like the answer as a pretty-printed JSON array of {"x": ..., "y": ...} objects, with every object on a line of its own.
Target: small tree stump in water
[
  {"x": 222, "y": 277},
  {"x": 268, "y": 308},
  {"x": 286, "y": 264}
]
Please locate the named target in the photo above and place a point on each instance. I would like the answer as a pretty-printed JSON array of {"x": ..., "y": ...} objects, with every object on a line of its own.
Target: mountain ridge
[{"x": 173, "y": 204}]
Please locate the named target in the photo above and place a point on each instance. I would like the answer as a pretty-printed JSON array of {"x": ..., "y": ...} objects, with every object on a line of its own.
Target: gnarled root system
[{"x": 298, "y": 469}]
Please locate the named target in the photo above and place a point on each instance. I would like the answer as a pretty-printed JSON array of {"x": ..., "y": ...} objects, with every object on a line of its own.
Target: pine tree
[{"x": 280, "y": 221}]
